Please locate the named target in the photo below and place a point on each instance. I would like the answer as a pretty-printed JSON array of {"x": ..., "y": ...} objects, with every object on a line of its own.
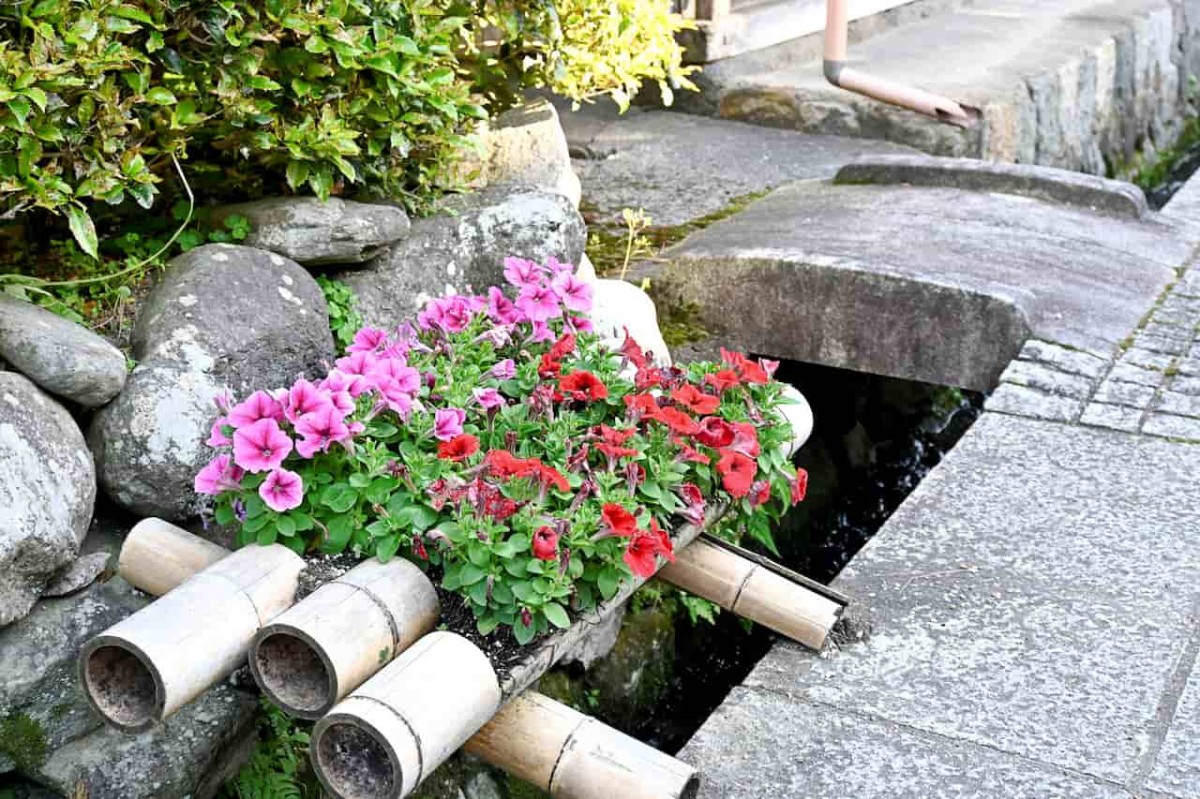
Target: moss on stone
[{"x": 23, "y": 741}]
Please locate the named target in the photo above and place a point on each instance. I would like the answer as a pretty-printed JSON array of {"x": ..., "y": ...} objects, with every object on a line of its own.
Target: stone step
[{"x": 1077, "y": 84}]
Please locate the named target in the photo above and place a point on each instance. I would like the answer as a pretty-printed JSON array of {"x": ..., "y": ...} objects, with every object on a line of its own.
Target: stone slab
[
  {"x": 1177, "y": 769},
  {"x": 824, "y": 752},
  {"x": 861, "y": 277},
  {"x": 680, "y": 167},
  {"x": 1034, "y": 596}
]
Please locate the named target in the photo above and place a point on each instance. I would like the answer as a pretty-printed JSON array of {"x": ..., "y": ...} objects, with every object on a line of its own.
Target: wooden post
[
  {"x": 572, "y": 756},
  {"x": 754, "y": 591},
  {"x": 327, "y": 645},
  {"x": 400, "y": 725},
  {"x": 157, "y": 556},
  {"x": 144, "y": 668}
]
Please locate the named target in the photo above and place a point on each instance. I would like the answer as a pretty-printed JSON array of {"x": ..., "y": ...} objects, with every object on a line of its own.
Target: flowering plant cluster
[{"x": 498, "y": 442}]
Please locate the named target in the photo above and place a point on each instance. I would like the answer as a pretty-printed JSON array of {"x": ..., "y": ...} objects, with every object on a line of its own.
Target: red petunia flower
[
  {"x": 549, "y": 477},
  {"x": 745, "y": 439},
  {"x": 562, "y": 348},
  {"x": 418, "y": 548},
  {"x": 617, "y": 520},
  {"x": 715, "y": 432},
  {"x": 693, "y": 503},
  {"x": 800, "y": 486},
  {"x": 641, "y": 406},
  {"x": 458, "y": 448},
  {"x": 737, "y": 473},
  {"x": 503, "y": 464},
  {"x": 760, "y": 492},
  {"x": 633, "y": 352},
  {"x": 545, "y": 544},
  {"x": 641, "y": 556},
  {"x": 750, "y": 371},
  {"x": 615, "y": 453},
  {"x": 647, "y": 378},
  {"x": 689, "y": 455},
  {"x": 695, "y": 400},
  {"x": 610, "y": 435},
  {"x": 677, "y": 420},
  {"x": 549, "y": 367},
  {"x": 583, "y": 387},
  {"x": 723, "y": 380}
]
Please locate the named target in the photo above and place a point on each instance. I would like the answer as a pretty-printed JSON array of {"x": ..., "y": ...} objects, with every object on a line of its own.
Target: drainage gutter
[{"x": 837, "y": 22}]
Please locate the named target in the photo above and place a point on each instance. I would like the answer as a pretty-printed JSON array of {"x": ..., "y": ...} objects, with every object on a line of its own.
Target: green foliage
[
  {"x": 344, "y": 319},
  {"x": 102, "y": 292},
  {"x": 99, "y": 97},
  {"x": 23, "y": 741},
  {"x": 278, "y": 767},
  {"x": 660, "y": 595}
]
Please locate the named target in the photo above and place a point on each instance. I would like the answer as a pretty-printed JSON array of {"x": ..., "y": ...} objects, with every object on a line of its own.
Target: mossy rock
[{"x": 23, "y": 740}]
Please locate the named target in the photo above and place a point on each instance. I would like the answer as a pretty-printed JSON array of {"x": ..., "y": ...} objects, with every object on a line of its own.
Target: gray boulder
[
  {"x": 47, "y": 492},
  {"x": 463, "y": 248},
  {"x": 311, "y": 231},
  {"x": 527, "y": 147},
  {"x": 222, "y": 319},
  {"x": 60, "y": 356}
]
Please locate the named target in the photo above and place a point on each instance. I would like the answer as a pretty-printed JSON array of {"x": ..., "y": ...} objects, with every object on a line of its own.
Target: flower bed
[{"x": 497, "y": 442}]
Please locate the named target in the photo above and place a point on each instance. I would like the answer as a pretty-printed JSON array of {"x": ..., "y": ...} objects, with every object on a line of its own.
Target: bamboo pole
[
  {"x": 754, "y": 592},
  {"x": 157, "y": 556},
  {"x": 397, "y": 727},
  {"x": 144, "y": 668},
  {"x": 572, "y": 756},
  {"x": 328, "y": 644}
]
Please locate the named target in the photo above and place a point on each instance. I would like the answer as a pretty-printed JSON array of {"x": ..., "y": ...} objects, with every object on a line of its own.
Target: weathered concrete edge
[{"x": 1060, "y": 186}]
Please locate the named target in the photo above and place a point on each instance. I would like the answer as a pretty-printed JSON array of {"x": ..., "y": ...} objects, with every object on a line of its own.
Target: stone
[
  {"x": 619, "y": 306},
  {"x": 1076, "y": 362},
  {"x": 1168, "y": 426},
  {"x": 64, "y": 358},
  {"x": 1177, "y": 769},
  {"x": 39, "y": 679},
  {"x": 1147, "y": 360},
  {"x": 1047, "y": 379},
  {"x": 47, "y": 492},
  {"x": 995, "y": 270},
  {"x": 1178, "y": 404},
  {"x": 1133, "y": 395},
  {"x": 742, "y": 751},
  {"x": 314, "y": 232},
  {"x": 1052, "y": 185},
  {"x": 1032, "y": 402},
  {"x": 988, "y": 634},
  {"x": 527, "y": 147},
  {"x": 1126, "y": 372},
  {"x": 188, "y": 755},
  {"x": 463, "y": 248},
  {"x": 77, "y": 575},
  {"x": 222, "y": 319},
  {"x": 1114, "y": 417},
  {"x": 598, "y": 643}
]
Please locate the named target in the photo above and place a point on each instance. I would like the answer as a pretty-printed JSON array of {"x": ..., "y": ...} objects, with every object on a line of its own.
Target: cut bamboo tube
[
  {"x": 328, "y": 644},
  {"x": 400, "y": 725},
  {"x": 144, "y": 668},
  {"x": 572, "y": 756},
  {"x": 157, "y": 556},
  {"x": 754, "y": 592}
]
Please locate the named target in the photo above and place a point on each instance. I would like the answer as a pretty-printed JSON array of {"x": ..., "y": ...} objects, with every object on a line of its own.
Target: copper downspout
[{"x": 837, "y": 22}]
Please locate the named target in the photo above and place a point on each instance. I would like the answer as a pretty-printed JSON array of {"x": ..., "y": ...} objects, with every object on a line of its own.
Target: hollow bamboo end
[
  {"x": 294, "y": 671},
  {"x": 354, "y": 760},
  {"x": 121, "y": 684}
]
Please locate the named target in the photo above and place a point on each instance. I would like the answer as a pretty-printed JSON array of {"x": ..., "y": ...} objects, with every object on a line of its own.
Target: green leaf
[
  {"x": 266, "y": 536},
  {"x": 160, "y": 96},
  {"x": 385, "y": 550},
  {"x": 523, "y": 634},
  {"x": 224, "y": 515},
  {"x": 487, "y": 624},
  {"x": 339, "y": 497},
  {"x": 83, "y": 230},
  {"x": 556, "y": 614},
  {"x": 340, "y": 530},
  {"x": 20, "y": 108},
  {"x": 285, "y": 526},
  {"x": 471, "y": 574},
  {"x": 609, "y": 583}
]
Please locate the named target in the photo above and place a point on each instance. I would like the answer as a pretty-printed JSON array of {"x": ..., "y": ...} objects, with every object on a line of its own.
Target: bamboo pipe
[
  {"x": 397, "y": 727},
  {"x": 837, "y": 22},
  {"x": 144, "y": 668},
  {"x": 327, "y": 645},
  {"x": 754, "y": 592},
  {"x": 157, "y": 556},
  {"x": 572, "y": 756}
]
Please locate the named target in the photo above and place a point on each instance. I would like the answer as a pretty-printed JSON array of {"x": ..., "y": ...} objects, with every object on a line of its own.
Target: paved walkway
[{"x": 1027, "y": 623}]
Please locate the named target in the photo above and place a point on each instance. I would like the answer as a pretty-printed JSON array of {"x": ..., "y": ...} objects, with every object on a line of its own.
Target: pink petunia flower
[
  {"x": 357, "y": 364},
  {"x": 282, "y": 490},
  {"x": 580, "y": 324},
  {"x": 575, "y": 294},
  {"x": 261, "y": 446},
  {"x": 501, "y": 309},
  {"x": 451, "y": 314},
  {"x": 369, "y": 339},
  {"x": 221, "y": 474},
  {"x": 488, "y": 398},
  {"x": 498, "y": 335},
  {"x": 448, "y": 423},
  {"x": 319, "y": 430},
  {"x": 521, "y": 272},
  {"x": 343, "y": 388},
  {"x": 504, "y": 370},
  {"x": 304, "y": 397},
  {"x": 259, "y": 405},
  {"x": 540, "y": 334},
  {"x": 554, "y": 267},
  {"x": 217, "y": 437},
  {"x": 539, "y": 303}
]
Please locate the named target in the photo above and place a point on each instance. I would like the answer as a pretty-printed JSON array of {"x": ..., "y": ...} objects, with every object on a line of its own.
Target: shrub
[
  {"x": 500, "y": 442},
  {"x": 98, "y": 97}
]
